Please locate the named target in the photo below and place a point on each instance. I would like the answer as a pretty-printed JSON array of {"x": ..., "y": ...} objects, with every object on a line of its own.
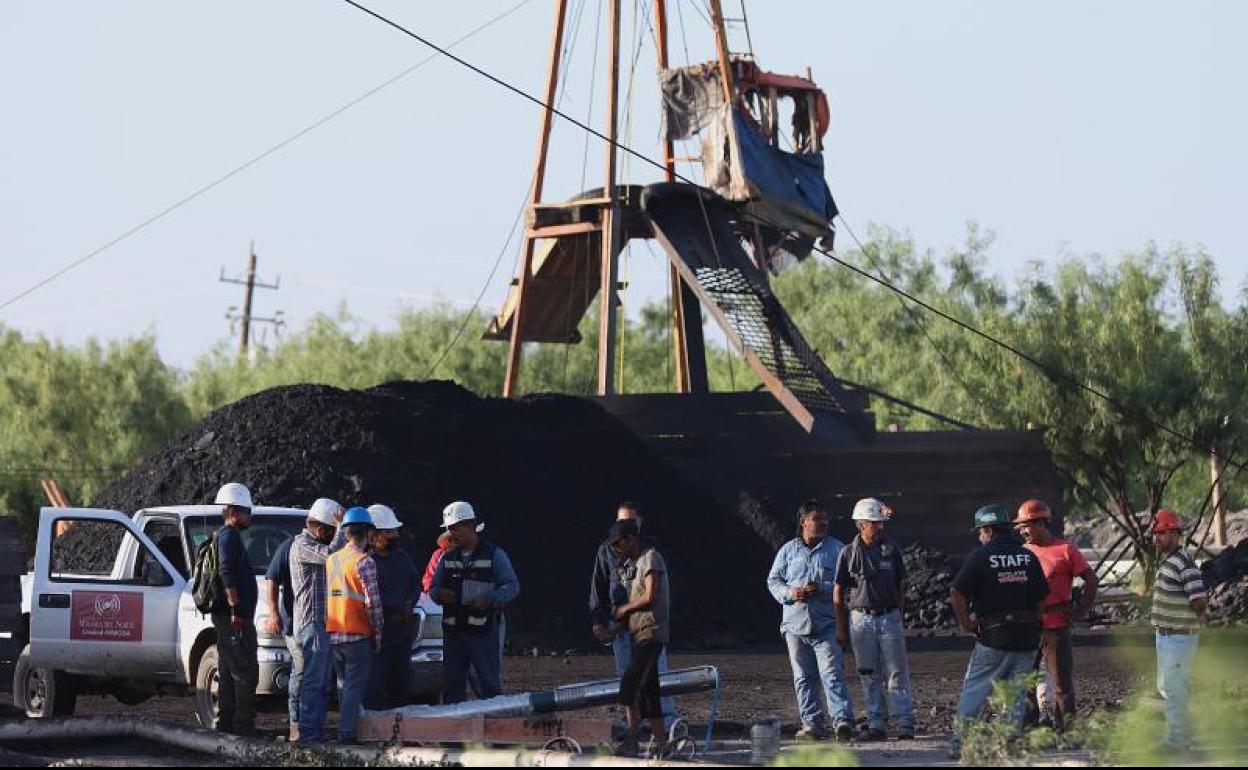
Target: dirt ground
[{"x": 756, "y": 684}]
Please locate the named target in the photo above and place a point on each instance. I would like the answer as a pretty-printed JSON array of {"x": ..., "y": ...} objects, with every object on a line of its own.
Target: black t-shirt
[
  {"x": 234, "y": 564},
  {"x": 1000, "y": 578}
]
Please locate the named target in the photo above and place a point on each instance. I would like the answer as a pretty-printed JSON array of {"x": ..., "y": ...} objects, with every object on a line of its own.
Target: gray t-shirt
[
  {"x": 652, "y": 625},
  {"x": 871, "y": 575}
]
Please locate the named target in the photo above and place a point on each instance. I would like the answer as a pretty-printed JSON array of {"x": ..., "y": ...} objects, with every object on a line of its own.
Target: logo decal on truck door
[{"x": 107, "y": 616}]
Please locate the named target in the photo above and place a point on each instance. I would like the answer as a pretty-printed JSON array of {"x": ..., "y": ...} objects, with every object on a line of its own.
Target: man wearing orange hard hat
[
  {"x": 1062, "y": 563},
  {"x": 1179, "y": 604}
]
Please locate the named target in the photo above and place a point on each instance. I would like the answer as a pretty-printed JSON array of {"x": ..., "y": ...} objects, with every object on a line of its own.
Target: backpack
[{"x": 206, "y": 578}]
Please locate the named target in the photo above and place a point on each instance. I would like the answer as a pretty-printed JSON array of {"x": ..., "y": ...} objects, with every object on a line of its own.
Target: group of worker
[
  {"x": 1014, "y": 594},
  {"x": 348, "y": 593},
  {"x": 343, "y": 594}
]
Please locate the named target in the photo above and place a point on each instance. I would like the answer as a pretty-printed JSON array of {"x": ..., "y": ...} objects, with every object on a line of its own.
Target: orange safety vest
[{"x": 346, "y": 604}]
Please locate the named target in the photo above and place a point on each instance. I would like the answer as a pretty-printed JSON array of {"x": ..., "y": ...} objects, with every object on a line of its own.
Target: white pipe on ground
[{"x": 208, "y": 742}]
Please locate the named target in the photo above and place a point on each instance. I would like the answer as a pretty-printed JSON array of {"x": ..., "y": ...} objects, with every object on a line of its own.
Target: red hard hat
[
  {"x": 1166, "y": 521},
  {"x": 1033, "y": 510}
]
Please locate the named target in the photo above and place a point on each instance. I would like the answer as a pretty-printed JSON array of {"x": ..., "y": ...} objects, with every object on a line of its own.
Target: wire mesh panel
[{"x": 697, "y": 233}]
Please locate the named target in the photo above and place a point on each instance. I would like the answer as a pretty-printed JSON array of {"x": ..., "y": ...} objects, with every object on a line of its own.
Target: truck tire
[
  {"x": 206, "y": 683},
  {"x": 43, "y": 692}
]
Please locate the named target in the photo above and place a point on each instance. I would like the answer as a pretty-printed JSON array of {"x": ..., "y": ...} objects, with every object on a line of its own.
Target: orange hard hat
[
  {"x": 1166, "y": 521},
  {"x": 1033, "y": 510}
]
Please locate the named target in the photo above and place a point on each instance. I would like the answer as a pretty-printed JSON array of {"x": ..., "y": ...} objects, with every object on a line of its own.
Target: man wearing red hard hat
[
  {"x": 1062, "y": 563},
  {"x": 1179, "y": 604}
]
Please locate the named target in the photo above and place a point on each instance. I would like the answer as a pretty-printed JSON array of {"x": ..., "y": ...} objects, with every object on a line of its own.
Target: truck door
[{"x": 104, "y": 598}]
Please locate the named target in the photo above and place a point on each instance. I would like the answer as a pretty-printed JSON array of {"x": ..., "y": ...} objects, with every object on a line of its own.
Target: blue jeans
[
  {"x": 1175, "y": 656},
  {"x": 474, "y": 681},
  {"x": 818, "y": 658},
  {"x": 354, "y": 663},
  {"x": 622, "y": 648},
  {"x": 391, "y": 677},
  {"x": 989, "y": 665},
  {"x": 478, "y": 652},
  {"x": 313, "y": 642},
  {"x": 296, "y": 678},
  {"x": 879, "y": 643}
]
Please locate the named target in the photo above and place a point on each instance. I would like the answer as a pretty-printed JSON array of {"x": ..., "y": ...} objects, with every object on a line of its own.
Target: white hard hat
[
  {"x": 870, "y": 509},
  {"x": 383, "y": 517},
  {"x": 234, "y": 494},
  {"x": 325, "y": 511},
  {"x": 459, "y": 511}
]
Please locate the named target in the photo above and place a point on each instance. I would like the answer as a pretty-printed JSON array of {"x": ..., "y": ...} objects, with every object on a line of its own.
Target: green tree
[{"x": 81, "y": 414}]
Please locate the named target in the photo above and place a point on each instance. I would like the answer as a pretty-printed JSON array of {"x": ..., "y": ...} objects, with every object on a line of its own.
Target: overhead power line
[
  {"x": 253, "y": 161},
  {"x": 1055, "y": 375}
]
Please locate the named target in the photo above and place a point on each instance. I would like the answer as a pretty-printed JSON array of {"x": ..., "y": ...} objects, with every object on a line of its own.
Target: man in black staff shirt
[{"x": 1005, "y": 587}]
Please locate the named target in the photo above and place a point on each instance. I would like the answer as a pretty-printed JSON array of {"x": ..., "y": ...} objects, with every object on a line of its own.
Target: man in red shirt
[
  {"x": 1062, "y": 563},
  {"x": 444, "y": 542}
]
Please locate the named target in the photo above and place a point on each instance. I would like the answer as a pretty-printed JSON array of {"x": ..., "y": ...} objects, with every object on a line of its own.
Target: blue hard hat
[{"x": 357, "y": 515}]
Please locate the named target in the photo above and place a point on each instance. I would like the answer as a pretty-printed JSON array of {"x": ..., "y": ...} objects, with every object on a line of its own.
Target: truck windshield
[{"x": 262, "y": 538}]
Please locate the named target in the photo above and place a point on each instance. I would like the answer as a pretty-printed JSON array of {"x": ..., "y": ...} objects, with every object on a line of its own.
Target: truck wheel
[
  {"x": 43, "y": 692},
  {"x": 206, "y": 684}
]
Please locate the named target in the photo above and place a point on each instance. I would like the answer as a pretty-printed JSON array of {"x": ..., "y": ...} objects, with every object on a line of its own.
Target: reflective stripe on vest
[
  {"x": 459, "y": 568},
  {"x": 346, "y": 602}
]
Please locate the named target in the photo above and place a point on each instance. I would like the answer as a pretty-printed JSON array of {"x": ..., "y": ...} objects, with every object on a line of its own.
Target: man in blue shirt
[
  {"x": 801, "y": 580},
  {"x": 233, "y": 618},
  {"x": 400, "y": 588},
  {"x": 281, "y": 620}
]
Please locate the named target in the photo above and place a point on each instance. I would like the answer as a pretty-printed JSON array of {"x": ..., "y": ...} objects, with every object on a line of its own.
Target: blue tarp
[{"x": 791, "y": 180}]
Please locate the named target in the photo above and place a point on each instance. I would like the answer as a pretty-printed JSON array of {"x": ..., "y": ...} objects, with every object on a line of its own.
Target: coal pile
[
  {"x": 1226, "y": 575},
  {"x": 544, "y": 472},
  {"x": 929, "y": 579}
]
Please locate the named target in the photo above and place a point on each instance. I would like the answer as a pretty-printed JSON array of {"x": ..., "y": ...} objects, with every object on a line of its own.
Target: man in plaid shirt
[{"x": 308, "y": 553}]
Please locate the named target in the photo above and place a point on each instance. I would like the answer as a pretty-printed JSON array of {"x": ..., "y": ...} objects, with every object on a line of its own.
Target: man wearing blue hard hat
[{"x": 354, "y": 617}]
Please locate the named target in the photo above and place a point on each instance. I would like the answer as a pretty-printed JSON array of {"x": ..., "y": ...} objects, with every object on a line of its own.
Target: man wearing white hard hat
[
  {"x": 474, "y": 581},
  {"x": 233, "y": 615},
  {"x": 322, "y": 536},
  {"x": 870, "y": 584},
  {"x": 400, "y": 588}
]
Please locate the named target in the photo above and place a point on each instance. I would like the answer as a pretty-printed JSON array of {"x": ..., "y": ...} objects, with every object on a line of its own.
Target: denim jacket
[{"x": 795, "y": 566}]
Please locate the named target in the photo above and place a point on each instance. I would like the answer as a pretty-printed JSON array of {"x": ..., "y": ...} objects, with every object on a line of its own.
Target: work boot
[
  {"x": 844, "y": 733},
  {"x": 293, "y": 735},
  {"x": 874, "y": 734},
  {"x": 809, "y": 733},
  {"x": 629, "y": 747},
  {"x": 657, "y": 749}
]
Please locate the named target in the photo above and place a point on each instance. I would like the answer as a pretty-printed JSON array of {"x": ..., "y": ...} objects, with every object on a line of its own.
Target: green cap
[{"x": 991, "y": 515}]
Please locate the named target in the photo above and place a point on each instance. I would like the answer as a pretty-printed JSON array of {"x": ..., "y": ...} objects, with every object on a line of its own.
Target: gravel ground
[{"x": 756, "y": 683}]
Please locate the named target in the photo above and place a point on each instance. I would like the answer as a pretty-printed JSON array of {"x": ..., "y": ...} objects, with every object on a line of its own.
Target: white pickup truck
[{"x": 108, "y": 609}]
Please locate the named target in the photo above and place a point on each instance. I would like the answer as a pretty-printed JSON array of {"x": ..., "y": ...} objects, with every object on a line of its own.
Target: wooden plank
[{"x": 560, "y": 231}]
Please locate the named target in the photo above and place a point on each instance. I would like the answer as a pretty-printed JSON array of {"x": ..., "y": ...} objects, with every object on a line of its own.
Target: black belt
[
  {"x": 1176, "y": 631},
  {"x": 873, "y": 610}
]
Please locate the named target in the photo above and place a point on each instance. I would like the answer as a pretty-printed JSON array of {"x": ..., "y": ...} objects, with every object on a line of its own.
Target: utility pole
[
  {"x": 251, "y": 284},
  {"x": 1219, "y": 499}
]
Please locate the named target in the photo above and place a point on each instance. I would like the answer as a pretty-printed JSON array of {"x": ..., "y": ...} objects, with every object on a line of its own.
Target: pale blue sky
[{"x": 1062, "y": 126}]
